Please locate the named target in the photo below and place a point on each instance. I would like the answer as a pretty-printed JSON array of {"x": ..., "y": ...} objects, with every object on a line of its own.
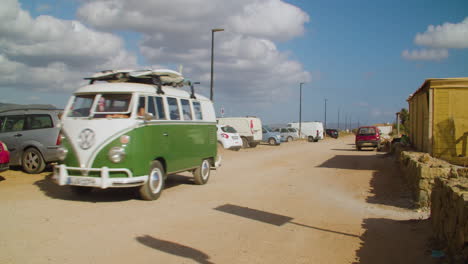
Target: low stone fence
[
  {"x": 449, "y": 216},
  {"x": 420, "y": 171}
]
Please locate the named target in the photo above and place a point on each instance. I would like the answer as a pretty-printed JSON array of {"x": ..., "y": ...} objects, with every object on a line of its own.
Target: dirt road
[{"x": 295, "y": 203}]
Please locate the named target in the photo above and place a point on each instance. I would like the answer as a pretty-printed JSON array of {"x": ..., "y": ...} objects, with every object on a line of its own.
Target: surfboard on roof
[{"x": 165, "y": 75}]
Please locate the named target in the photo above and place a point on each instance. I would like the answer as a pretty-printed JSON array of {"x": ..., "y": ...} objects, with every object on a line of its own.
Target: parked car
[
  {"x": 229, "y": 138},
  {"x": 249, "y": 128},
  {"x": 332, "y": 132},
  {"x": 32, "y": 136},
  {"x": 4, "y": 157},
  {"x": 287, "y": 134},
  {"x": 270, "y": 137},
  {"x": 368, "y": 136},
  {"x": 313, "y": 131}
]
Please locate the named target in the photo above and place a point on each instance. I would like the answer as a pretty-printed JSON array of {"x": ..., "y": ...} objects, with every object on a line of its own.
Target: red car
[
  {"x": 4, "y": 157},
  {"x": 368, "y": 136}
]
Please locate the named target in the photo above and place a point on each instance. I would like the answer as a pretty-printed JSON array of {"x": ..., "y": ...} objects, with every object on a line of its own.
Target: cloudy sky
[{"x": 365, "y": 57}]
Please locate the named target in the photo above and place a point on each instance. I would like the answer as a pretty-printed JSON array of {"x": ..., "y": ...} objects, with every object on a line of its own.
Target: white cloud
[
  {"x": 439, "y": 39},
  {"x": 425, "y": 54},
  {"x": 273, "y": 19},
  {"x": 447, "y": 35},
  {"x": 50, "y": 53},
  {"x": 248, "y": 65}
]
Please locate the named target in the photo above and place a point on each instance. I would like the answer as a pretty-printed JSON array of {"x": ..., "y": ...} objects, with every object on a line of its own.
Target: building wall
[
  {"x": 451, "y": 124},
  {"x": 419, "y": 121}
]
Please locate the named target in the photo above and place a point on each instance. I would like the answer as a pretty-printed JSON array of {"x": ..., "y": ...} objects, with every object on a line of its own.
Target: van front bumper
[{"x": 62, "y": 177}]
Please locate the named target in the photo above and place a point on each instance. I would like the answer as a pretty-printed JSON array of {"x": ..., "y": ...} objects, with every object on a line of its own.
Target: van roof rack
[{"x": 157, "y": 77}]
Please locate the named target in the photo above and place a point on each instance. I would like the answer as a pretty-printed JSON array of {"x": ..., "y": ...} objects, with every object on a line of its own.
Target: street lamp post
[
  {"x": 212, "y": 55},
  {"x": 300, "y": 109}
]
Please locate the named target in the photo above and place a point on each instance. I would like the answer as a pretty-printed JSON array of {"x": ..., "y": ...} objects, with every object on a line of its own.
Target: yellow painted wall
[
  {"x": 451, "y": 124},
  {"x": 450, "y": 119},
  {"x": 419, "y": 125}
]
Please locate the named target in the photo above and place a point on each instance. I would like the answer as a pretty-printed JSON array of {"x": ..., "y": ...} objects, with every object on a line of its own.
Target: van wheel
[
  {"x": 272, "y": 141},
  {"x": 245, "y": 143},
  {"x": 310, "y": 138},
  {"x": 290, "y": 139},
  {"x": 202, "y": 173},
  {"x": 32, "y": 161},
  {"x": 81, "y": 190},
  {"x": 154, "y": 186},
  {"x": 253, "y": 145}
]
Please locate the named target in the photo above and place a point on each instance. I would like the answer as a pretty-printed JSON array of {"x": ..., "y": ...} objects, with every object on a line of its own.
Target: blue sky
[{"x": 350, "y": 52}]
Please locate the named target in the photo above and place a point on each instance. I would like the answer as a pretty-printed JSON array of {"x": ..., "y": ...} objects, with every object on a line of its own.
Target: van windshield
[{"x": 107, "y": 106}]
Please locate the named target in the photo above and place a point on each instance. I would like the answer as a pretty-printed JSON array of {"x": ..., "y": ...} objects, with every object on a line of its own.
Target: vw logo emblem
[{"x": 86, "y": 138}]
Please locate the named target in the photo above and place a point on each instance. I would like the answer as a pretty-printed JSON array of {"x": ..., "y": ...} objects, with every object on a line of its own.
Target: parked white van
[
  {"x": 313, "y": 131},
  {"x": 135, "y": 130},
  {"x": 249, "y": 128}
]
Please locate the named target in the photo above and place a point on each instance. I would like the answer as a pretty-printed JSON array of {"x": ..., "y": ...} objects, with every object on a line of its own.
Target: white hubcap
[
  {"x": 205, "y": 170},
  {"x": 155, "y": 180}
]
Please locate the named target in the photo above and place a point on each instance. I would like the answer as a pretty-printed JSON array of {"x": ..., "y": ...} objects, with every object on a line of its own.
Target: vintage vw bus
[{"x": 133, "y": 131}]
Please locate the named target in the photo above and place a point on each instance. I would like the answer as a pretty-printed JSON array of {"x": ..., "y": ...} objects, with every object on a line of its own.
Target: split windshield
[{"x": 105, "y": 106}]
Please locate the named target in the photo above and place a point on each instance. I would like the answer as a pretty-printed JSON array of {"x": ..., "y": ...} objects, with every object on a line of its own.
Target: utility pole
[
  {"x": 212, "y": 56},
  {"x": 326, "y": 113},
  {"x": 300, "y": 109},
  {"x": 338, "y": 119}
]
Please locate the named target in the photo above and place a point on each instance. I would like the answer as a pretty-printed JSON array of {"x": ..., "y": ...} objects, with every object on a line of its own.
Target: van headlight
[
  {"x": 116, "y": 154},
  {"x": 62, "y": 153}
]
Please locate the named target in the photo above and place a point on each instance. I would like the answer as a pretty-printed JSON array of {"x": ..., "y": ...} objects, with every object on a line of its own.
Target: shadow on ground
[
  {"x": 270, "y": 218},
  {"x": 387, "y": 241},
  {"x": 175, "y": 249},
  {"x": 53, "y": 190},
  {"x": 352, "y": 162}
]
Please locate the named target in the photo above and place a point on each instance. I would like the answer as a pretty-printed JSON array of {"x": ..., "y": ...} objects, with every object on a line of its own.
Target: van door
[
  {"x": 11, "y": 134},
  {"x": 256, "y": 126}
]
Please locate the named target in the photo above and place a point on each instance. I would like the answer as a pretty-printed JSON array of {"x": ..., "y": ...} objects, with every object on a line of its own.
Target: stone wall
[
  {"x": 449, "y": 215},
  {"x": 420, "y": 171}
]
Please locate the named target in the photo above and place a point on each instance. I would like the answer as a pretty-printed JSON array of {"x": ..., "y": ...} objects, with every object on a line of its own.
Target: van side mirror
[{"x": 148, "y": 116}]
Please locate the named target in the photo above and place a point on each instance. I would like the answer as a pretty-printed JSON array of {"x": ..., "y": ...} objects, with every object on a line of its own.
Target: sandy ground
[{"x": 295, "y": 203}]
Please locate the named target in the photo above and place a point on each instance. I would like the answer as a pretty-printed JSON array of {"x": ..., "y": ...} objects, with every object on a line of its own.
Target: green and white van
[{"x": 122, "y": 133}]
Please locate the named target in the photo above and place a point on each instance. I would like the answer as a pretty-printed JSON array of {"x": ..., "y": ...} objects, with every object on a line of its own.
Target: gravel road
[{"x": 298, "y": 202}]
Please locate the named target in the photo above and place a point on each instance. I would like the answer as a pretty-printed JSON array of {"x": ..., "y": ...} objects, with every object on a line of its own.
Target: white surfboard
[
  {"x": 166, "y": 75},
  {"x": 109, "y": 75}
]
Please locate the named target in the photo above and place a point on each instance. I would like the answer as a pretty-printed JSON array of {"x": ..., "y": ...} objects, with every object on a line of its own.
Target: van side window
[
  {"x": 186, "y": 109},
  {"x": 13, "y": 123},
  {"x": 151, "y": 106},
  {"x": 160, "y": 108},
  {"x": 38, "y": 121},
  {"x": 173, "y": 108},
  {"x": 156, "y": 108},
  {"x": 198, "y": 111},
  {"x": 141, "y": 110}
]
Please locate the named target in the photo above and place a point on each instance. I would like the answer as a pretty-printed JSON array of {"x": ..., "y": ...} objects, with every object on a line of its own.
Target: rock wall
[
  {"x": 449, "y": 216},
  {"x": 420, "y": 171}
]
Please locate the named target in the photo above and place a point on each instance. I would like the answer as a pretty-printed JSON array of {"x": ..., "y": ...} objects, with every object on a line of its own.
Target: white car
[{"x": 229, "y": 138}]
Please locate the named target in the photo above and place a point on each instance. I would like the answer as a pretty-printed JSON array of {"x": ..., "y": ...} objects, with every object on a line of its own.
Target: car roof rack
[{"x": 18, "y": 107}]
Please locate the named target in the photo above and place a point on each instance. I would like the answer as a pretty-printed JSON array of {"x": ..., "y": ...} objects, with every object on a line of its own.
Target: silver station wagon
[{"x": 32, "y": 135}]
